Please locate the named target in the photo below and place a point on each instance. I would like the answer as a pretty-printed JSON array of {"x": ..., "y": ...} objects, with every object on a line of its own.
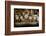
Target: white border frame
[{"x": 25, "y": 28}]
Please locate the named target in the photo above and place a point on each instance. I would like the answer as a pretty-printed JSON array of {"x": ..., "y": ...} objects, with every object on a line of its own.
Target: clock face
[{"x": 26, "y": 17}]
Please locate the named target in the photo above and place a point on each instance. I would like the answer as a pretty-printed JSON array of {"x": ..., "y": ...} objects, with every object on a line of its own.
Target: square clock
[{"x": 24, "y": 17}]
